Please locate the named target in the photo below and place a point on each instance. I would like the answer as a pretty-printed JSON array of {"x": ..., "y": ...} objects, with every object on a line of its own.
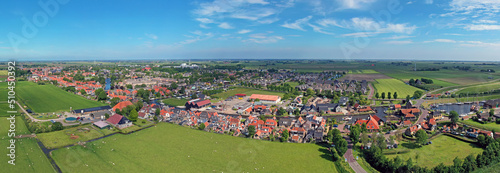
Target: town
[{"x": 345, "y": 110}]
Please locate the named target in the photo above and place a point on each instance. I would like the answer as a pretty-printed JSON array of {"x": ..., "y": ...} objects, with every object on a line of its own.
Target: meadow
[
  {"x": 175, "y": 101},
  {"x": 63, "y": 137},
  {"x": 49, "y": 98},
  {"x": 29, "y": 156},
  {"x": 247, "y": 91},
  {"x": 480, "y": 88},
  {"x": 180, "y": 149},
  {"x": 442, "y": 150},
  {"x": 394, "y": 85},
  {"x": 487, "y": 126}
]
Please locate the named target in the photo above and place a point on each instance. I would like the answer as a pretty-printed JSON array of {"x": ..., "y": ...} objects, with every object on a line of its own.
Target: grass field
[
  {"x": 442, "y": 150},
  {"x": 63, "y": 138},
  {"x": 49, "y": 98},
  {"x": 175, "y": 101},
  {"x": 480, "y": 88},
  {"x": 3, "y": 72},
  {"x": 495, "y": 168},
  {"x": 180, "y": 149},
  {"x": 29, "y": 157},
  {"x": 293, "y": 84},
  {"x": 488, "y": 126},
  {"x": 394, "y": 85},
  {"x": 246, "y": 91}
]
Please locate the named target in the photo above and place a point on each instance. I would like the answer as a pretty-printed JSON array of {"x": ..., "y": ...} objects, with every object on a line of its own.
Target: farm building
[
  {"x": 266, "y": 98},
  {"x": 101, "y": 124},
  {"x": 197, "y": 104},
  {"x": 119, "y": 121},
  {"x": 91, "y": 110},
  {"x": 122, "y": 105}
]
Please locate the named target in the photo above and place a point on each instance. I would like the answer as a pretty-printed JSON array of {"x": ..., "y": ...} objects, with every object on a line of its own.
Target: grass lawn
[
  {"x": 49, "y": 98},
  {"x": 488, "y": 126},
  {"x": 63, "y": 138},
  {"x": 180, "y": 149},
  {"x": 175, "y": 101},
  {"x": 247, "y": 91},
  {"x": 442, "y": 150},
  {"x": 394, "y": 85},
  {"x": 29, "y": 157},
  {"x": 293, "y": 84}
]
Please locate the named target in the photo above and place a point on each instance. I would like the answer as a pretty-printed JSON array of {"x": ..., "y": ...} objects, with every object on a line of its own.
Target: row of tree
[{"x": 389, "y": 95}]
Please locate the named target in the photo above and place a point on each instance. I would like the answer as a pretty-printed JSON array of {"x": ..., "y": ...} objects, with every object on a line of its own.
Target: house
[
  {"x": 492, "y": 104},
  {"x": 285, "y": 122},
  {"x": 397, "y": 106},
  {"x": 119, "y": 121},
  {"x": 328, "y": 108},
  {"x": 366, "y": 109},
  {"x": 122, "y": 105},
  {"x": 197, "y": 104},
  {"x": 297, "y": 134},
  {"x": 410, "y": 131},
  {"x": 378, "y": 119},
  {"x": 371, "y": 124},
  {"x": 409, "y": 114},
  {"x": 343, "y": 100},
  {"x": 407, "y": 123},
  {"x": 435, "y": 115}
]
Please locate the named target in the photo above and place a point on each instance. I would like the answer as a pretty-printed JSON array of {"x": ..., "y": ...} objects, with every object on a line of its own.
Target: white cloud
[
  {"x": 152, "y": 36},
  {"x": 199, "y": 36},
  {"x": 485, "y": 21},
  {"x": 244, "y": 31},
  {"x": 319, "y": 29},
  {"x": 410, "y": 2},
  {"x": 354, "y": 4},
  {"x": 268, "y": 21},
  {"x": 397, "y": 37},
  {"x": 429, "y": 1},
  {"x": 205, "y": 20},
  {"x": 369, "y": 25},
  {"x": 399, "y": 42},
  {"x": 298, "y": 24},
  {"x": 225, "y": 25},
  {"x": 328, "y": 22},
  {"x": 482, "y": 27},
  {"x": 361, "y": 34},
  {"x": 204, "y": 26},
  {"x": 444, "y": 41},
  {"x": 240, "y": 9},
  {"x": 475, "y": 7},
  {"x": 263, "y": 38}
]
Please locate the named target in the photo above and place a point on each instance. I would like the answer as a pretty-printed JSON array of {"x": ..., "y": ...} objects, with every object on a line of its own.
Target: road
[{"x": 351, "y": 160}]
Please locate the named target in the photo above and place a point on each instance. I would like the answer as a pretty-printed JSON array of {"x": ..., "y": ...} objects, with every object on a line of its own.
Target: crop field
[
  {"x": 49, "y": 98},
  {"x": 181, "y": 149},
  {"x": 3, "y": 72},
  {"x": 442, "y": 150},
  {"x": 394, "y": 85},
  {"x": 29, "y": 157},
  {"x": 247, "y": 91},
  {"x": 175, "y": 101},
  {"x": 480, "y": 88}
]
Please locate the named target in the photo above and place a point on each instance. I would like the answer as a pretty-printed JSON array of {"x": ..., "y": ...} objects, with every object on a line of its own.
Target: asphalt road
[{"x": 351, "y": 160}]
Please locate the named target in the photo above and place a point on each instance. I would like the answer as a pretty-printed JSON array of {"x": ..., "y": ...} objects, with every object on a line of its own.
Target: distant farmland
[
  {"x": 247, "y": 91},
  {"x": 49, "y": 98},
  {"x": 480, "y": 88},
  {"x": 394, "y": 85},
  {"x": 187, "y": 150}
]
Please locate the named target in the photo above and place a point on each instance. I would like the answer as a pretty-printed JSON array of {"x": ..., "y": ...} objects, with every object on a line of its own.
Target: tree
[
  {"x": 102, "y": 96},
  {"x": 492, "y": 112},
  {"x": 341, "y": 146},
  {"x": 453, "y": 117},
  {"x": 354, "y": 135},
  {"x": 363, "y": 128},
  {"x": 336, "y": 136},
  {"x": 365, "y": 139},
  {"x": 469, "y": 163},
  {"x": 57, "y": 126},
  {"x": 421, "y": 137},
  {"x": 284, "y": 136},
  {"x": 377, "y": 95},
  {"x": 83, "y": 92},
  {"x": 383, "y": 95},
  {"x": 309, "y": 92},
  {"x": 381, "y": 142},
  {"x": 201, "y": 126},
  {"x": 157, "y": 112},
  {"x": 407, "y": 98},
  {"x": 281, "y": 111},
  {"x": 395, "y": 95},
  {"x": 412, "y": 82},
  {"x": 457, "y": 165},
  {"x": 251, "y": 131},
  {"x": 389, "y": 95},
  {"x": 107, "y": 115},
  {"x": 115, "y": 101},
  {"x": 417, "y": 94},
  {"x": 133, "y": 115}
]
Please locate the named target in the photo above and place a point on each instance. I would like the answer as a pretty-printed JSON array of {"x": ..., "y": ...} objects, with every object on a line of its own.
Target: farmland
[
  {"x": 184, "y": 147},
  {"x": 247, "y": 91},
  {"x": 63, "y": 137},
  {"x": 29, "y": 157},
  {"x": 49, "y": 98},
  {"x": 487, "y": 126},
  {"x": 175, "y": 101},
  {"x": 480, "y": 88},
  {"x": 394, "y": 85},
  {"x": 442, "y": 150}
]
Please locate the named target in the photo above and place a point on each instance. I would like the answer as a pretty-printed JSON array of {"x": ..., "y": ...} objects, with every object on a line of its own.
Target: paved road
[{"x": 351, "y": 160}]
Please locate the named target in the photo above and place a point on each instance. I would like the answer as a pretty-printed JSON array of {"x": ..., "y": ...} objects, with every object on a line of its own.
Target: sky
[{"x": 250, "y": 29}]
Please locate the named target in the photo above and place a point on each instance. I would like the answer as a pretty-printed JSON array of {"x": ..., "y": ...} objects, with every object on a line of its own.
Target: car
[
  {"x": 335, "y": 125},
  {"x": 389, "y": 132}
]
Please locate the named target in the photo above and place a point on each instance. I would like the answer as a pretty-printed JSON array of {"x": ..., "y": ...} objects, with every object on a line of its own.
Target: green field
[
  {"x": 175, "y": 101},
  {"x": 488, "y": 126},
  {"x": 29, "y": 157},
  {"x": 394, "y": 85},
  {"x": 293, "y": 84},
  {"x": 480, "y": 88},
  {"x": 246, "y": 91},
  {"x": 3, "y": 72},
  {"x": 442, "y": 150},
  {"x": 495, "y": 168},
  {"x": 49, "y": 98},
  {"x": 63, "y": 137},
  {"x": 180, "y": 149}
]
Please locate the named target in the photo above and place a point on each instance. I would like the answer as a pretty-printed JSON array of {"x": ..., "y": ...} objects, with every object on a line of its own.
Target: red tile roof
[
  {"x": 115, "y": 119},
  {"x": 122, "y": 105}
]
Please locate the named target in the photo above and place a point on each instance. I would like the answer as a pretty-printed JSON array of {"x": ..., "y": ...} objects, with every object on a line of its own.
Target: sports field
[
  {"x": 175, "y": 101},
  {"x": 180, "y": 149},
  {"x": 394, "y": 85},
  {"x": 246, "y": 91},
  {"x": 442, "y": 150},
  {"x": 49, "y": 98}
]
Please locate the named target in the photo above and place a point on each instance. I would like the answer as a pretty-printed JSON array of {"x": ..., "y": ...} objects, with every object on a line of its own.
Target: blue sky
[{"x": 250, "y": 29}]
